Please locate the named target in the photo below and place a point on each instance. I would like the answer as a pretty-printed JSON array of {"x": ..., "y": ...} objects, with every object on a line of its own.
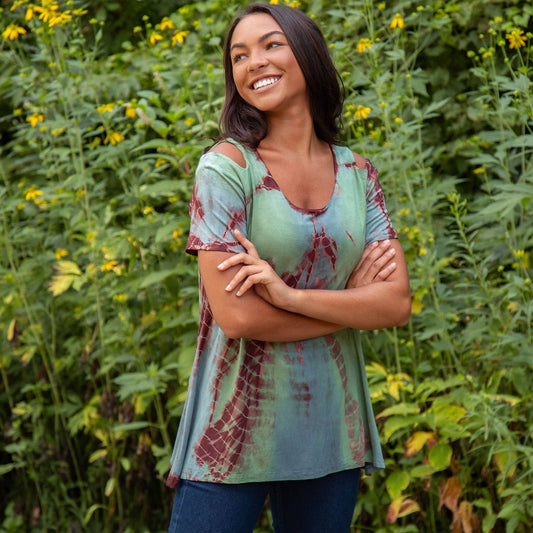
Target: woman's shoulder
[
  {"x": 231, "y": 149},
  {"x": 360, "y": 161},
  {"x": 349, "y": 157}
]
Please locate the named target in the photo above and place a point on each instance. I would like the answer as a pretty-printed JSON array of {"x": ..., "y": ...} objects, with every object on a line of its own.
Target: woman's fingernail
[
  {"x": 221, "y": 265},
  {"x": 227, "y": 287}
]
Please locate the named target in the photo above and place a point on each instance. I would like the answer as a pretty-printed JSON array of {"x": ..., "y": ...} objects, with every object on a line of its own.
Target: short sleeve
[
  {"x": 378, "y": 224},
  {"x": 218, "y": 205}
]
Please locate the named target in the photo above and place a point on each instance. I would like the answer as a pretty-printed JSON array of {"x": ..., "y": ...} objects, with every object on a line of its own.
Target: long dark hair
[{"x": 248, "y": 125}]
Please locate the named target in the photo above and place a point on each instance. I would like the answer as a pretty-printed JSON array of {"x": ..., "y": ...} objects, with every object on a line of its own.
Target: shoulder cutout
[
  {"x": 230, "y": 150},
  {"x": 360, "y": 161}
]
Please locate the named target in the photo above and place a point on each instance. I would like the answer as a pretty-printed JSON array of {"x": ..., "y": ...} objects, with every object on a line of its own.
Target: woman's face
[{"x": 265, "y": 71}]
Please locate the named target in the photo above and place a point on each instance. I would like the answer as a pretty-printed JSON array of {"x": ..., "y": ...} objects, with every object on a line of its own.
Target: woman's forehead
[{"x": 254, "y": 26}]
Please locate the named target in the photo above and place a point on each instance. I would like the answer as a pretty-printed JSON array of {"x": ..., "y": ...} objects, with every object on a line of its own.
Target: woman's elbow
[
  {"x": 403, "y": 312},
  {"x": 233, "y": 324}
]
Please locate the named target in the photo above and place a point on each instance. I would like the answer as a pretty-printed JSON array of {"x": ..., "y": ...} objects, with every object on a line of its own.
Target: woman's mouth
[{"x": 265, "y": 82}]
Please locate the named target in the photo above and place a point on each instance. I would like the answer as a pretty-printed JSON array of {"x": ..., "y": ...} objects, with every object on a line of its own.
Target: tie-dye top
[{"x": 268, "y": 411}]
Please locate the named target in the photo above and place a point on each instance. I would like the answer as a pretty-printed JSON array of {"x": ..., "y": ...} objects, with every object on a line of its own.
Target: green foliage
[{"x": 98, "y": 309}]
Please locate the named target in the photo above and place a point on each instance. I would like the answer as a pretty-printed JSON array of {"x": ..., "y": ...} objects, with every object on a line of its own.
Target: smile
[{"x": 265, "y": 82}]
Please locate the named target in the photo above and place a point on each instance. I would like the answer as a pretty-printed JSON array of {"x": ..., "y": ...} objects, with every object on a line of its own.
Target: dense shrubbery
[{"x": 98, "y": 309}]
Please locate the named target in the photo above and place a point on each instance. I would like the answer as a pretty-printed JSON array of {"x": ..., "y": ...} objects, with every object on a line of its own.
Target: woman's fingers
[
  {"x": 374, "y": 265},
  {"x": 237, "y": 259},
  {"x": 248, "y": 245},
  {"x": 241, "y": 275}
]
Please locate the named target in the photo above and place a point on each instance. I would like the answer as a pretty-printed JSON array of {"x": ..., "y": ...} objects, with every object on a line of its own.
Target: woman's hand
[
  {"x": 376, "y": 264},
  {"x": 256, "y": 273}
]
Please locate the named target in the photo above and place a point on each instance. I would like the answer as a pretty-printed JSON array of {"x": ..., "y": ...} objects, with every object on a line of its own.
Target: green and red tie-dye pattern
[{"x": 260, "y": 411}]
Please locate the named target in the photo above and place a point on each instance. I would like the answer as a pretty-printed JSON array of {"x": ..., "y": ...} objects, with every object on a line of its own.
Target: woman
[{"x": 278, "y": 402}]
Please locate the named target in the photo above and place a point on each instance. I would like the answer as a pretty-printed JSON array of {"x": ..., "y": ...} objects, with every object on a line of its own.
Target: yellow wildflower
[
  {"x": 362, "y": 112},
  {"x": 275, "y": 2},
  {"x": 404, "y": 211},
  {"x": 381, "y": 6},
  {"x": 60, "y": 252},
  {"x": 398, "y": 120},
  {"x": 397, "y": 22},
  {"x": 130, "y": 111},
  {"x": 179, "y": 36},
  {"x": 114, "y": 137},
  {"x": 16, "y": 4},
  {"x": 364, "y": 44},
  {"x": 12, "y": 32},
  {"x": 177, "y": 233},
  {"x": 159, "y": 162},
  {"x": 17, "y": 111},
  {"x": 154, "y": 37},
  {"x": 60, "y": 19},
  {"x": 120, "y": 297},
  {"x": 106, "y": 108},
  {"x": 423, "y": 251},
  {"x": 32, "y": 193},
  {"x": 35, "y": 119},
  {"x": 29, "y": 13},
  {"x": 48, "y": 11},
  {"x": 147, "y": 210},
  {"x": 189, "y": 121},
  {"x": 57, "y": 131},
  {"x": 108, "y": 266},
  {"x": 166, "y": 23},
  {"x": 295, "y": 4},
  {"x": 516, "y": 38},
  {"x": 479, "y": 170}
]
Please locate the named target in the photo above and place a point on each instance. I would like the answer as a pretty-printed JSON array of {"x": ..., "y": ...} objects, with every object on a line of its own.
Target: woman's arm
[
  {"x": 376, "y": 305},
  {"x": 250, "y": 315}
]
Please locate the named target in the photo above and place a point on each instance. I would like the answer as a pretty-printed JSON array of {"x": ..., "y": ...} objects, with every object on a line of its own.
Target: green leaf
[
  {"x": 396, "y": 483},
  {"x": 156, "y": 277},
  {"x": 132, "y": 426},
  {"x": 440, "y": 456}
]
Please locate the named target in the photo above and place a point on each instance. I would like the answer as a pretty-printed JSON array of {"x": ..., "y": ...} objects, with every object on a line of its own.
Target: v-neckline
[{"x": 310, "y": 211}]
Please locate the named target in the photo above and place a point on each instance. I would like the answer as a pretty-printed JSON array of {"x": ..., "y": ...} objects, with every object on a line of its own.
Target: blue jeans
[{"x": 323, "y": 505}]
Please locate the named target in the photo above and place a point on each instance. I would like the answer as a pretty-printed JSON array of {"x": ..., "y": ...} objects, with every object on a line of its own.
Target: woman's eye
[
  {"x": 273, "y": 45},
  {"x": 237, "y": 58}
]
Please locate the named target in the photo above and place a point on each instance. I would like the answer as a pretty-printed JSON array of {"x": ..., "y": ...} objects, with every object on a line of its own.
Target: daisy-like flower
[
  {"x": 364, "y": 44},
  {"x": 166, "y": 23},
  {"x": 154, "y": 37},
  {"x": 106, "y": 108},
  {"x": 12, "y": 32},
  {"x": 130, "y": 111},
  {"x": 114, "y": 138},
  {"x": 179, "y": 36},
  {"x": 362, "y": 112},
  {"x": 397, "y": 22},
  {"x": 35, "y": 119},
  {"x": 516, "y": 38}
]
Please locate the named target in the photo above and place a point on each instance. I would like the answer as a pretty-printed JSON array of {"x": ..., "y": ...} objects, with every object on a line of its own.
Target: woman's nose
[{"x": 257, "y": 60}]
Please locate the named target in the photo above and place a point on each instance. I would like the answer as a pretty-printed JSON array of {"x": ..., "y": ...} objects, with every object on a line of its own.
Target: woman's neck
[{"x": 294, "y": 133}]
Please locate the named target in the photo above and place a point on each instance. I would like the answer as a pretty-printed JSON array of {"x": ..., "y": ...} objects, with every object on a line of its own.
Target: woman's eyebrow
[{"x": 261, "y": 39}]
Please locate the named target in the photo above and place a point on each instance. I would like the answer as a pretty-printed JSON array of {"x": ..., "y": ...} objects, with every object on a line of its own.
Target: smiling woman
[{"x": 296, "y": 253}]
